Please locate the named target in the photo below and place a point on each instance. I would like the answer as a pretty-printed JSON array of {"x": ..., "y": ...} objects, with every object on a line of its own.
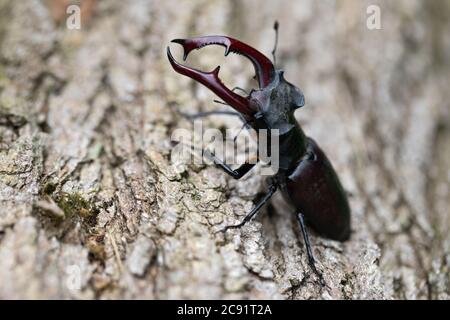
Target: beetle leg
[
  {"x": 193, "y": 116},
  {"x": 240, "y": 89},
  {"x": 255, "y": 210},
  {"x": 203, "y": 114},
  {"x": 245, "y": 125},
  {"x": 235, "y": 173},
  {"x": 311, "y": 260}
]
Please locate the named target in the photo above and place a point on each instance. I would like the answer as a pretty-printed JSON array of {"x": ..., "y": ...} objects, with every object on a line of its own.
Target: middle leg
[{"x": 255, "y": 210}]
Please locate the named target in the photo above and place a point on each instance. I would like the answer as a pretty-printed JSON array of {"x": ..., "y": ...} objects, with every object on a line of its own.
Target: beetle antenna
[
  {"x": 275, "y": 27},
  {"x": 240, "y": 89}
]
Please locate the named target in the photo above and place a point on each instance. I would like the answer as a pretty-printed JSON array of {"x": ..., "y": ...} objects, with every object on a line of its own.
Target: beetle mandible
[{"x": 305, "y": 177}]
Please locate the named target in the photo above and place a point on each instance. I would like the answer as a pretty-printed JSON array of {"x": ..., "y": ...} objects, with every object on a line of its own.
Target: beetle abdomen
[{"x": 315, "y": 190}]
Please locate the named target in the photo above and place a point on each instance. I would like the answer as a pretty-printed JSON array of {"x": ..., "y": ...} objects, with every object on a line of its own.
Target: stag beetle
[{"x": 305, "y": 176}]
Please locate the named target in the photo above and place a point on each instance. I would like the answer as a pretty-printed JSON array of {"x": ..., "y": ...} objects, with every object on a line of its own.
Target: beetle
[{"x": 305, "y": 177}]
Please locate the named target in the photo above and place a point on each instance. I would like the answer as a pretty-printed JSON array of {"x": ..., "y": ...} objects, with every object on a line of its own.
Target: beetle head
[{"x": 275, "y": 100}]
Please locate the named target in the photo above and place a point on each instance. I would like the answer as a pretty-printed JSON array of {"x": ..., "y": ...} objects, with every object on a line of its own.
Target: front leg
[
  {"x": 203, "y": 114},
  {"x": 235, "y": 173}
]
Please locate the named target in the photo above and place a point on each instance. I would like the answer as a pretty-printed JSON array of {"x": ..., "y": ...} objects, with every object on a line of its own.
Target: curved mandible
[
  {"x": 264, "y": 68},
  {"x": 212, "y": 81}
]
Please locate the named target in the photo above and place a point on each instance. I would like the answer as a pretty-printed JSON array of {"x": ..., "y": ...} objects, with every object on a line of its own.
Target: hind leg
[{"x": 311, "y": 260}]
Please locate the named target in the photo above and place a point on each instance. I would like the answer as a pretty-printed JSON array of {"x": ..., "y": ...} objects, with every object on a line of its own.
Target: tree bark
[{"x": 92, "y": 207}]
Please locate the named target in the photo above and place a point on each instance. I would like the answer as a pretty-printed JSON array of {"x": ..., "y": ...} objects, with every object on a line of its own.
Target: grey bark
[{"x": 87, "y": 187}]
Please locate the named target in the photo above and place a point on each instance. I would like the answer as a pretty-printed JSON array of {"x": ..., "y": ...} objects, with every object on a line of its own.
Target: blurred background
[{"x": 92, "y": 207}]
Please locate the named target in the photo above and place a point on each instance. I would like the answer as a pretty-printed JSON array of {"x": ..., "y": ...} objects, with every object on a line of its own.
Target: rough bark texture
[{"x": 87, "y": 187}]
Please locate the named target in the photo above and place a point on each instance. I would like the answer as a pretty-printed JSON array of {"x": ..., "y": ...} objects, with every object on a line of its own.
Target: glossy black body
[{"x": 306, "y": 177}]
